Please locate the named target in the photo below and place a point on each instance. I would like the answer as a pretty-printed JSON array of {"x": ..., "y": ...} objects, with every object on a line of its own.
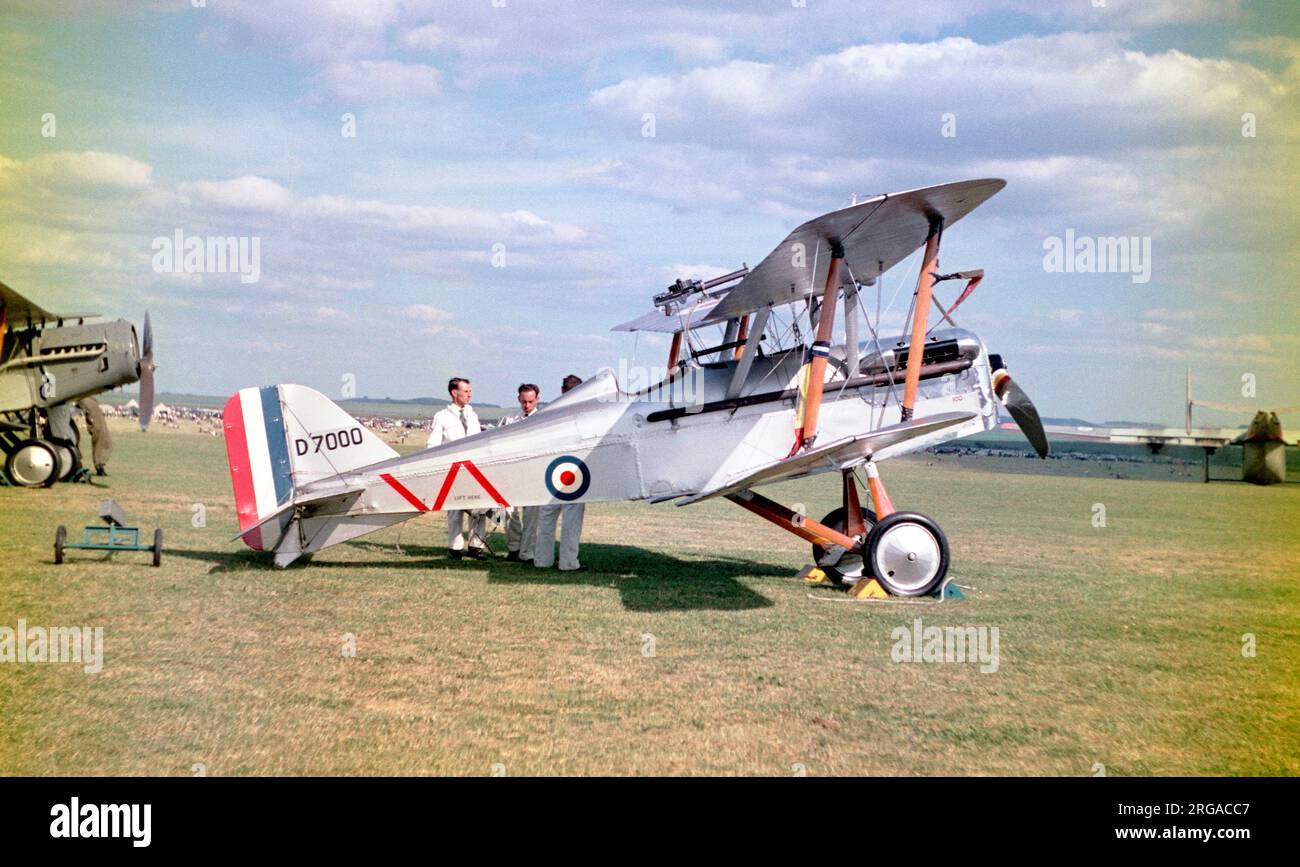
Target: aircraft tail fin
[{"x": 279, "y": 438}]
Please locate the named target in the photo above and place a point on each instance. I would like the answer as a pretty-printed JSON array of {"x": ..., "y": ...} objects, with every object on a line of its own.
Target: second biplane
[
  {"x": 765, "y": 404},
  {"x": 48, "y": 361}
]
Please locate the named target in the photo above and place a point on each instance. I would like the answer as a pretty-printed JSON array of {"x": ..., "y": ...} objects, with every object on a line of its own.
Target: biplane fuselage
[
  {"x": 654, "y": 445},
  {"x": 667, "y": 442}
]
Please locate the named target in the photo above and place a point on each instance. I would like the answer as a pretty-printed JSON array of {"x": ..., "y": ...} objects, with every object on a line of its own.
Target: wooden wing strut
[{"x": 921, "y": 317}]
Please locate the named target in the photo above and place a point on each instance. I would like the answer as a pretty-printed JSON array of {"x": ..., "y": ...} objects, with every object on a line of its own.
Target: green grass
[{"x": 1119, "y": 646}]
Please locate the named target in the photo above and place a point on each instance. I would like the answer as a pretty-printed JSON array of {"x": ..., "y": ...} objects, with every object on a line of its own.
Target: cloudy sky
[{"x": 597, "y": 150}]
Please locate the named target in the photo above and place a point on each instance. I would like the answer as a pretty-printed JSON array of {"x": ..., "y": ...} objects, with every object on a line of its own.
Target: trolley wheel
[
  {"x": 60, "y": 536},
  {"x": 850, "y": 569},
  {"x": 157, "y": 547},
  {"x": 908, "y": 554},
  {"x": 33, "y": 464}
]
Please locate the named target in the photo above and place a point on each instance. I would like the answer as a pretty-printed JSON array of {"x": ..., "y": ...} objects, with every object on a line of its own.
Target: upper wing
[
  {"x": 670, "y": 323},
  {"x": 18, "y": 309},
  {"x": 876, "y": 234},
  {"x": 841, "y": 454}
]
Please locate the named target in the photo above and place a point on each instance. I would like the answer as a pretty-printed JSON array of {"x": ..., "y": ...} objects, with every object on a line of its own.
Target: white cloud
[
  {"x": 693, "y": 272},
  {"x": 84, "y": 171},
  {"x": 378, "y": 80},
  {"x": 87, "y": 217},
  {"x": 246, "y": 193},
  {"x": 310, "y": 29},
  {"x": 433, "y": 38},
  {"x": 428, "y": 37},
  {"x": 693, "y": 47},
  {"x": 522, "y": 37},
  {"x": 426, "y": 313},
  {"x": 1080, "y": 93}
]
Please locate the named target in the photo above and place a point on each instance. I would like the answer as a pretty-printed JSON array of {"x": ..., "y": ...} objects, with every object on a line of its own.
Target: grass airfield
[{"x": 689, "y": 648}]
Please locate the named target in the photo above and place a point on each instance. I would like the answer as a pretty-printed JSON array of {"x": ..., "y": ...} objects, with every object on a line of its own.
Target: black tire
[
  {"x": 157, "y": 547},
  {"x": 60, "y": 536},
  {"x": 21, "y": 470},
  {"x": 925, "y": 580},
  {"x": 850, "y": 568}
]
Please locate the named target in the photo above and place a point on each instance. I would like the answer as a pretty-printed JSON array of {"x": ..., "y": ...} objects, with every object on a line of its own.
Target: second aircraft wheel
[
  {"x": 69, "y": 459},
  {"x": 850, "y": 567}
]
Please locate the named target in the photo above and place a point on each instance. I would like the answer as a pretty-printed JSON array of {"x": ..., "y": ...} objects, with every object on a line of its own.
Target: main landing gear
[
  {"x": 904, "y": 552},
  {"x": 31, "y": 461}
]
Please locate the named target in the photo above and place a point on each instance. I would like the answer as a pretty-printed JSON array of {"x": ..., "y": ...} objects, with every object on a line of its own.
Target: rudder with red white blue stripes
[{"x": 260, "y": 468}]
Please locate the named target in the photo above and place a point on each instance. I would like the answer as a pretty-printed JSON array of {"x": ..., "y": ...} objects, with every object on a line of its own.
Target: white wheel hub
[
  {"x": 908, "y": 556},
  {"x": 33, "y": 464}
]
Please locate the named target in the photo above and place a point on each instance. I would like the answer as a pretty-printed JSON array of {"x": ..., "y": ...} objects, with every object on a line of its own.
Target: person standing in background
[
  {"x": 457, "y": 421},
  {"x": 521, "y": 527},
  {"x": 570, "y": 514},
  {"x": 101, "y": 439}
]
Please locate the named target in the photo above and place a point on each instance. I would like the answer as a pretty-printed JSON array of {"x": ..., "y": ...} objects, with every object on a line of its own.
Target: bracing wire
[{"x": 875, "y": 331}]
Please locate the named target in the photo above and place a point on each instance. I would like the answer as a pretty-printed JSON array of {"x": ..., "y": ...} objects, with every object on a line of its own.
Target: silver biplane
[{"x": 760, "y": 409}]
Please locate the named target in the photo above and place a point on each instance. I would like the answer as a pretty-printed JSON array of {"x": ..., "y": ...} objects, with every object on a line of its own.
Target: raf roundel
[{"x": 567, "y": 478}]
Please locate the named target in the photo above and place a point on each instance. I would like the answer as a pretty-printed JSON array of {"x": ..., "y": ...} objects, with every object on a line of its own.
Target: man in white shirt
[
  {"x": 521, "y": 527},
  {"x": 571, "y": 529},
  {"x": 457, "y": 421}
]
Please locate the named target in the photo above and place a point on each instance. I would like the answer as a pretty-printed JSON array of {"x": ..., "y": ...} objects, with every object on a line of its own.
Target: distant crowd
[{"x": 393, "y": 430}]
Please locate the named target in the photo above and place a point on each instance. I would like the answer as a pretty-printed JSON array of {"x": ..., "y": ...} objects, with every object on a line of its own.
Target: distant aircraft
[
  {"x": 49, "y": 361},
  {"x": 767, "y": 403},
  {"x": 1263, "y": 445}
]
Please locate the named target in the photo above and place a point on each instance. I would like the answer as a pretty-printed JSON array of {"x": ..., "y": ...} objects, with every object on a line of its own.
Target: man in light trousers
[
  {"x": 521, "y": 527},
  {"x": 571, "y": 529},
  {"x": 456, "y": 421}
]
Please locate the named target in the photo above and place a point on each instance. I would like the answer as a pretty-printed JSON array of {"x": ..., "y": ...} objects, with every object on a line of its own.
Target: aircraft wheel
[
  {"x": 908, "y": 554},
  {"x": 60, "y": 536},
  {"x": 33, "y": 464},
  {"x": 157, "y": 547},
  {"x": 850, "y": 568},
  {"x": 69, "y": 459}
]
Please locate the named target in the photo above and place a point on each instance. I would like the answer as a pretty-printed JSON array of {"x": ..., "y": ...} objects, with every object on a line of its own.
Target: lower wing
[{"x": 839, "y": 455}]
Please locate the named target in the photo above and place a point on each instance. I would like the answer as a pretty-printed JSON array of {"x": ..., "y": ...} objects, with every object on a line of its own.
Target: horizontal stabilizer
[
  {"x": 280, "y": 516},
  {"x": 267, "y": 531}
]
